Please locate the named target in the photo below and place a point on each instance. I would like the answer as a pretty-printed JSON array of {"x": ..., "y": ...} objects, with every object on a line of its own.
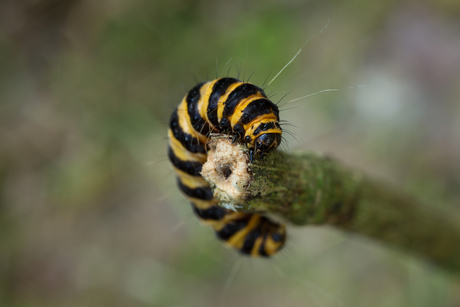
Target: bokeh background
[{"x": 89, "y": 211}]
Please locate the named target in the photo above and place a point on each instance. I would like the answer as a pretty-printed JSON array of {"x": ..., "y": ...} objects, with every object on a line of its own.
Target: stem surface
[{"x": 306, "y": 188}]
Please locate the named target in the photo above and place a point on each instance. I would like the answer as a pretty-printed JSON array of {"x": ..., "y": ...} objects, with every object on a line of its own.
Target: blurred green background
[{"x": 89, "y": 211}]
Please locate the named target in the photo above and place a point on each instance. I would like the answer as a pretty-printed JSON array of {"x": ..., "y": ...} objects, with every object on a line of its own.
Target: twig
[{"x": 306, "y": 189}]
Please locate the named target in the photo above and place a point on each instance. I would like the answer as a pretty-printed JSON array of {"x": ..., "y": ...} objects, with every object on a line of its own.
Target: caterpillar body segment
[{"x": 243, "y": 111}]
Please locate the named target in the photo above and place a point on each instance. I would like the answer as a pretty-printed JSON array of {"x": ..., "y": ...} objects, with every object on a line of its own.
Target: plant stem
[{"x": 306, "y": 188}]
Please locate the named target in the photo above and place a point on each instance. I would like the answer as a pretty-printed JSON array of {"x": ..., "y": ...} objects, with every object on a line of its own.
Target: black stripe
[
  {"x": 258, "y": 107},
  {"x": 213, "y": 213},
  {"x": 204, "y": 193},
  {"x": 264, "y": 127},
  {"x": 262, "y": 251},
  {"x": 192, "y": 144},
  {"x": 233, "y": 227},
  {"x": 251, "y": 238},
  {"x": 243, "y": 91},
  {"x": 198, "y": 123},
  {"x": 219, "y": 89},
  {"x": 189, "y": 167}
]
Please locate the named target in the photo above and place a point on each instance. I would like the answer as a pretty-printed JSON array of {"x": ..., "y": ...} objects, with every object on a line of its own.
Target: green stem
[{"x": 310, "y": 189}]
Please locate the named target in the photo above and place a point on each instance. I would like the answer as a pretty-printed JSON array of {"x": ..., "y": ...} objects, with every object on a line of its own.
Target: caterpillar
[{"x": 243, "y": 111}]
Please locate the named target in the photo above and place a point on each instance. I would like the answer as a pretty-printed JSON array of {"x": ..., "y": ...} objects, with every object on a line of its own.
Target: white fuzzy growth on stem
[{"x": 227, "y": 171}]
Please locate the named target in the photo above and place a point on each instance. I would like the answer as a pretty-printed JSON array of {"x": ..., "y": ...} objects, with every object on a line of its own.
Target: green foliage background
[{"x": 89, "y": 211}]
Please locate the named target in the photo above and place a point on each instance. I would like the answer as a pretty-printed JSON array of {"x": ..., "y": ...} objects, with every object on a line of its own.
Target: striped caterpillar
[{"x": 243, "y": 111}]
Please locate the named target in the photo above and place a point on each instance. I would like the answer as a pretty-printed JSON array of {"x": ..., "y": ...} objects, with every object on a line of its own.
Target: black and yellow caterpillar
[{"x": 239, "y": 109}]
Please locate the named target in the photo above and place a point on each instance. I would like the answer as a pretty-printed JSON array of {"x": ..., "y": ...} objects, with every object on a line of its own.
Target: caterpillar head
[{"x": 264, "y": 144}]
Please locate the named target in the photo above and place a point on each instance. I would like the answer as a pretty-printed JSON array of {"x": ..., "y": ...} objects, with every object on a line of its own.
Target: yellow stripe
[
  {"x": 255, "y": 123},
  {"x": 223, "y": 98},
  {"x": 192, "y": 182},
  {"x": 229, "y": 217},
  {"x": 274, "y": 130},
  {"x": 182, "y": 153},
  {"x": 237, "y": 240},
  {"x": 239, "y": 110},
  {"x": 271, "y": 117},
  {"x": 203, "y": 204},
  {"x": 205, "y": 93},
  {"x": 183, "y": 174},
  {"x": 255, "y": 248},
  {"x": 186, "y": 124}
]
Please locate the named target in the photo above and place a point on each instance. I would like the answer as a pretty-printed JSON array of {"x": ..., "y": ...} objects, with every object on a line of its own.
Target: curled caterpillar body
[{"x": 243, "y": 111}]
